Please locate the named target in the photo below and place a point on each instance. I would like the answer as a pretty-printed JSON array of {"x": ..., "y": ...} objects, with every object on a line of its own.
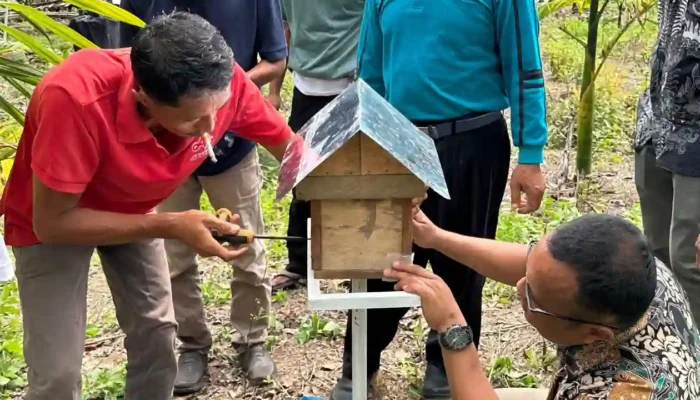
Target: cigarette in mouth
[{"x": 210, "y": 148}]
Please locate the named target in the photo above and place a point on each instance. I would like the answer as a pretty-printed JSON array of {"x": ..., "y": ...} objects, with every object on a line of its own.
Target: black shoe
[
  {"x": 435, "y": 385},
  {"x": 191, "y": 368},
  {"x": 343, "y": 389},
  {"x": 257, "y": 364}
]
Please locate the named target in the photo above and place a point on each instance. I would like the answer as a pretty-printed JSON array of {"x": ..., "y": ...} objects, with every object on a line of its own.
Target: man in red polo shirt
[{"x": 109, "y": 134}]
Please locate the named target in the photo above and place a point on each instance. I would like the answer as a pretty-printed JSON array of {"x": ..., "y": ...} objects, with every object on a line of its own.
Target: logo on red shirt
[{"x": 199, "y": 150}]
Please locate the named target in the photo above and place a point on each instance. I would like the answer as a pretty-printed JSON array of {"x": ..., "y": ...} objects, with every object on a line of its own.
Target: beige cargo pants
[
  {"x": 237, "y": 189},
  {"x": 53, "y": 281}
]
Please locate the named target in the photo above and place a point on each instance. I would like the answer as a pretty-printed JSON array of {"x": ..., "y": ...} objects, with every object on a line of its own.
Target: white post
[
  {"x": 359, "y": 301},
  {"x": 359, "y": 345}
]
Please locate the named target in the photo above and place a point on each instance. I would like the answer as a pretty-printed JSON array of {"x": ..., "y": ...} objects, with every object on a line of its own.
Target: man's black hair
[
  {"x": 180, "y": 54},
  {"x": 615, "y": 270}
]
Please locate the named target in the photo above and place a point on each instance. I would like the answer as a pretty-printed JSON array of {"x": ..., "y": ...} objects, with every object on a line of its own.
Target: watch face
[{"x": 456, "y": 338}]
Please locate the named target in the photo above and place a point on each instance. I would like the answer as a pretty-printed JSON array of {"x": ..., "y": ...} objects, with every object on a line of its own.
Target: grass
[{"x": 307, "y": 345}]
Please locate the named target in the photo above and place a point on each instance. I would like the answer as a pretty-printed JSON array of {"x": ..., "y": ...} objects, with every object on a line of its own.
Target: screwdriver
[{"x": 245, "y": 236}]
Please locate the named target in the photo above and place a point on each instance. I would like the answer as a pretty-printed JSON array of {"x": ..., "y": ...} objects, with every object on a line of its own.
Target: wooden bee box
[{"x": 360, "y": 210}]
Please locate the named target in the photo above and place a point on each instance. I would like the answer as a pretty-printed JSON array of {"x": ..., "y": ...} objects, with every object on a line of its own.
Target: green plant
[
  {"x": 313, "y": 327},
  {"x": 215, "y": 293},
  {"x": 21, "y": 75},
  {"x": 12, "y": 369},
  {"x": 104, "y": 383},
  {"x": 591, "y": 67},
  {"x": 501, "y": 374}
]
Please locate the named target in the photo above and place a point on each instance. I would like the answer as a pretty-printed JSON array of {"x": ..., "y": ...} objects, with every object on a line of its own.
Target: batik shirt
[
  {"x": 657, "y": 359},
  {"x": 674, "y": 95}
]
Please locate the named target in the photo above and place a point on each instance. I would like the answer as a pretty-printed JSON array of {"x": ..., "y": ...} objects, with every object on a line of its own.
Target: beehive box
[{"x": 360, "y": 166}]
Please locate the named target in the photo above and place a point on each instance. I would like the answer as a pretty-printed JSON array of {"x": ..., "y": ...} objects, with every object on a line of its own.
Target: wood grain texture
[
  {"x": 377, "y": 161},
  {"x": 345, "y": 160},
  {"x": 316, "y": 235},
  {"x": 357, "y": 235},
  {"x": 360, "y": 187}
]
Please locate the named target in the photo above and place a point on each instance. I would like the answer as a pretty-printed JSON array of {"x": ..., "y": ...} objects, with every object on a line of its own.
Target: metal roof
[{"x": 361, "y": 109}]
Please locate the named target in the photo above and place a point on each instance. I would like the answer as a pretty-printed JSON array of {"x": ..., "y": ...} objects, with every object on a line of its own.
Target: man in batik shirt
[{"x": 621, "y": 321}]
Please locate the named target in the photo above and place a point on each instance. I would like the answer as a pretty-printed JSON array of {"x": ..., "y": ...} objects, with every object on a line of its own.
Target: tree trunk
[{"x": 587, "y": 101}]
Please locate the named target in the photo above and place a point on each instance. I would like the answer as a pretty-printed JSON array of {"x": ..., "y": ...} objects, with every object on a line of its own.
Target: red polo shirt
[{"x": 83, "y": 134}]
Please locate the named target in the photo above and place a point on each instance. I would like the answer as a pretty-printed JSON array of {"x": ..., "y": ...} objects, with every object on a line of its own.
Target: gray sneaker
[{"x": 191, "y": 369}]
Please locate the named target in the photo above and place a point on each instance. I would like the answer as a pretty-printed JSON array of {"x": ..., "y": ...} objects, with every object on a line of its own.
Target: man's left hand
[
  {"x": 527, "y": 179},
  {"x": 437, "y": 302}
]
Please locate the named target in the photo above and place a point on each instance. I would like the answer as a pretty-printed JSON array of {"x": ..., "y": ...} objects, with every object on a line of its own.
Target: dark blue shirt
[{"x": 250, "y": 27}]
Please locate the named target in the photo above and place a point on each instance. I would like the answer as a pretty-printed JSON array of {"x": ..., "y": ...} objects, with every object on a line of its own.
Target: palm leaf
[
  {"x": 44, "y": 21},
  {"x": 19, "y": 86},
  {"x": 108, "y": 10},
  {"x": 34, "y": 45},
  {"x": 11, "y": 110},
  {"x": 19, "y": 71},
  {"x": 37, "y": 27}
]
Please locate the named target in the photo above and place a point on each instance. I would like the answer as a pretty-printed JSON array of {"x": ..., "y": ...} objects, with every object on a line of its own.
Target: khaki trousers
[
  {"x": 237, "y": 189},
  {"x": 671, "y": 217},
  {"x": 53, "y": 283},
  {"x": 522, "y": 394}
]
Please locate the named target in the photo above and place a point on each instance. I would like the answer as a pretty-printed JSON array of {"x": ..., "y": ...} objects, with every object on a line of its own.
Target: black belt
[{"x": 443, "y": 129}]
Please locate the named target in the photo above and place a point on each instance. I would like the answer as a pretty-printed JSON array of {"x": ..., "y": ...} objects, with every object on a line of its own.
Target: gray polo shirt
[{"x": 324, "y": 34}]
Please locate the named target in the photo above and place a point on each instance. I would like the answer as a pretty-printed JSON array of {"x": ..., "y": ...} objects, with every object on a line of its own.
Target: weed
[
  {"x": 313, "y": 327},
  {"x": 104, "y": 383},
  {"x": 12, "y": 368},
  {"x": 501, "y": 374}
]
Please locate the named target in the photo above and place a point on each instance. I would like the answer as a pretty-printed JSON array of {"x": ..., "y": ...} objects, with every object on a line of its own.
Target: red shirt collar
[{"x": 131, "y": 128}]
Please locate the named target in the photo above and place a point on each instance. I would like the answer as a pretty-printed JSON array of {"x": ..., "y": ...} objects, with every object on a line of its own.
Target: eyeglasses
[{"x": 544, "y": 312}]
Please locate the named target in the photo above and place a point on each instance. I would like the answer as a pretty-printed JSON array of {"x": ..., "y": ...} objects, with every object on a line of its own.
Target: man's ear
[
  {"x": 142, "y": 97},
  {"x": 599, "y": 334}
]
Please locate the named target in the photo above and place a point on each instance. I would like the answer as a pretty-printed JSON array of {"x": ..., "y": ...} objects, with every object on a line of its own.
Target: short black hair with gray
[
  {"x": 180, "y": 54},
  {"x": 615, "y": 269}
]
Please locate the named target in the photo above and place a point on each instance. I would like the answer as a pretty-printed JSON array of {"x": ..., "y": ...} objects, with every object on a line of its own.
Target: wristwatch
[{"x": 456, "y": 337}]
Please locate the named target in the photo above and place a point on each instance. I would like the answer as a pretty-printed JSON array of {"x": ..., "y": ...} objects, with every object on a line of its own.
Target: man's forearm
[
  {"x": 278, "y": 81},
  {"x": 500, "y": 261},
  {"x": 83, "y": 226},
  {"x": 276, "y": 84},
  {"x": 265, "y": 72},
  {"x": 466, "y": 378}
]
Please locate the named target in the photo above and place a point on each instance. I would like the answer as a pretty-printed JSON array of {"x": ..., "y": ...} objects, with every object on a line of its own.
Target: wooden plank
[
  {"x": 316, "y": 235},
  {"x": 345, "y": 160},
  {"x": 348, "y": 274},
  {"x": 367, "y": 187},
  {"x": 358, "y": 235},
  {"x": 377, "y": 161},
  {"x": 407, "y": 227}
]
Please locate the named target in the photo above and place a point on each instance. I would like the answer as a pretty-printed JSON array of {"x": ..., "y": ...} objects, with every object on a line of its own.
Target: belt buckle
[{"x": 433, "y": 132}]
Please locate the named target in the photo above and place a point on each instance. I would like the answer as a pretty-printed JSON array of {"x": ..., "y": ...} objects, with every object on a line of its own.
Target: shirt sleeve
[
  {"x": 64, "y": 152},
  {"x": 517, "y": 32},
  {"x": 254, "y": 117},
  {"x": 270, "y": 42},
  {"x": 127, "y": 31},
  {"x": 369, "y": 50}
]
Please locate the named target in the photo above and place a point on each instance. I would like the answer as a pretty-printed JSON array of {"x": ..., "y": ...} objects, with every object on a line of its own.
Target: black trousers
[
  {"x": 475, "y": 166},
  {"x": 303, "y": 109}
]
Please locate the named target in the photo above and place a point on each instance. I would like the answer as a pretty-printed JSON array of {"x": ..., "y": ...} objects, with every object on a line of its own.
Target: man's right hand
[
  {"x": 194, "y": 228},
  {"x": 424, "y": 230}
]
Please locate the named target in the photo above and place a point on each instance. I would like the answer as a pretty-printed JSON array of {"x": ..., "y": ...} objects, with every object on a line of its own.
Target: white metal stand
[{"x": 358, "y": 301}]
